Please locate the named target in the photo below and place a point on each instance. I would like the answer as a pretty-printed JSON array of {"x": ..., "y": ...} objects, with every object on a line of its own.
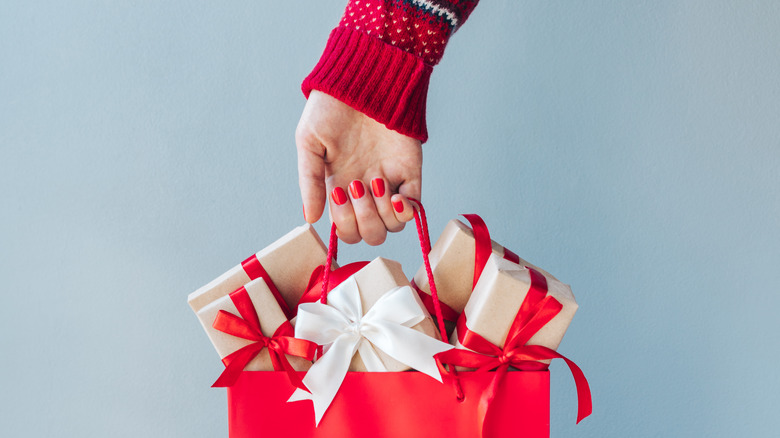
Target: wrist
[{"x": 380, "y": 80}]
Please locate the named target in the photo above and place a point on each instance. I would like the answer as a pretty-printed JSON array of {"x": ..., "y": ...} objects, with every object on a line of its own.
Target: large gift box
[
  {"x": 452, "y": 263},
  {"x": 500, "y": 293},
  {"x": 376, "y": 278},
  {"x": 264, "y": 309},
  {"x": 285, "y": 264},
  {"x": 372, "y": 321},
  {"x": 279, "y": 274}
]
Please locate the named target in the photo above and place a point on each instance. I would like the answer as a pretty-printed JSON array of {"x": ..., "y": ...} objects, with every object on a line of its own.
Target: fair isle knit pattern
[
  {"x": 380, "y": 57},
  {"x": 419, "y": 27}
]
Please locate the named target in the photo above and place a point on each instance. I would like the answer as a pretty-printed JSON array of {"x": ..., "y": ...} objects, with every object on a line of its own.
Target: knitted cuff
[{"x": 378, "y": 79}]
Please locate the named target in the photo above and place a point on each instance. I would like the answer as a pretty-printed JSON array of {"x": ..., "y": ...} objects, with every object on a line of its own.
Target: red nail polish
[
  {"x": 398, "y": 206},
  {"x": 378, "y": 186},
  {"x": 339, "y": 196},
  {"x": 304, "y": 214},
  {"x": 357, "y": 189}
]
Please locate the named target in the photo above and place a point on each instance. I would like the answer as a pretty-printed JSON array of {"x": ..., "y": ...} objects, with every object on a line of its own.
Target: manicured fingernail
[
  {"x": 304, "y": 214},
  {"x": 398, "y": 206},
  {"x": 357, "y": 189},
  {"x": 339, "y": 196},
  {"x": 378, "y": 186}
]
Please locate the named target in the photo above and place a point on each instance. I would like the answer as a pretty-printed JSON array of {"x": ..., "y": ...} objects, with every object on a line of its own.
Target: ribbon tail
[
  {"x": 284, "y": 365},
  {"x": 324, "y": 377},
  {"x": 584, "y": 401},
  {"x": 235, "y": 363},
  {"x": 408, "y": 346},
  {"x": 483, "y": 409},
  {"x": 370, "y": 358}
]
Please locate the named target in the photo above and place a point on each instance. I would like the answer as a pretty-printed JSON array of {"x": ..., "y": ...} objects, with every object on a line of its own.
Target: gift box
[
  {"x": 500, "y": 293},
  {"x": 266, "y": 312},
  {"x": 373, "y": 280},
  {"x": 285, "y": 265},
  {"x": 452, "y": 260},
  {"x": 372, "y": 321}
]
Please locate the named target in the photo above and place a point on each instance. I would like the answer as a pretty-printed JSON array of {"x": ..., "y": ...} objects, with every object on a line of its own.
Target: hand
[{"x": 368, "y": 170}]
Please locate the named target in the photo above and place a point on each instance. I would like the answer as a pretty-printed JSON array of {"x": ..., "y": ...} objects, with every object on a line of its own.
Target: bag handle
[{"x": 421, "y": 221}]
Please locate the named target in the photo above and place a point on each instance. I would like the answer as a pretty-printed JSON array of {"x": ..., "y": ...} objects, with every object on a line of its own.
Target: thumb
[
  {"x": 410, "y": 188},
  {"x": 311, "y": 177}
]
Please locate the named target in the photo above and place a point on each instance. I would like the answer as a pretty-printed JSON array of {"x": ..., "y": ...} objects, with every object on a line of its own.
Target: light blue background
[{"x": 631, "y": 148}]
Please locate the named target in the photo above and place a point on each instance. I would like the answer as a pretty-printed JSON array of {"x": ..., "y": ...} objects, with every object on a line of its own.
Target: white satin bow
[{"x": 343, "y": 330}]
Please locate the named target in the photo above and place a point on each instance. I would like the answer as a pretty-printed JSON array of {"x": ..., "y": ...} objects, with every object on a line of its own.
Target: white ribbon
[{"x": 343, "y": 330}]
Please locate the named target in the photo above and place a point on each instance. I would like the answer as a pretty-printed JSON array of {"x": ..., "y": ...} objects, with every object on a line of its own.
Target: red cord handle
[{"x": 421, "y": 221}]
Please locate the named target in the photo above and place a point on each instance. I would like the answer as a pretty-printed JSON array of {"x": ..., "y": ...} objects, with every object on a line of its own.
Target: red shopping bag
[
  {"x": 392, "y": 405},
  {"x": 398, "y": 404}
]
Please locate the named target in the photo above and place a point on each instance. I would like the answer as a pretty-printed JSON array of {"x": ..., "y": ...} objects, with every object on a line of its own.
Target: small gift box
[
  {"x": 285, "y": 265},
  {"x": 248, "y": 316},
  {"x": 452, "y": 260},
  {"x": 509, "y": 296}
]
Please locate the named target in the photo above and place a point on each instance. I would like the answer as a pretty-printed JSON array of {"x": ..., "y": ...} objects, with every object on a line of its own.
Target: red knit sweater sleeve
[{"x": 380, "y": 57}]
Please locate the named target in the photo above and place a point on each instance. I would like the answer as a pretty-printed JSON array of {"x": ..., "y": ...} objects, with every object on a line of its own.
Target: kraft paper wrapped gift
[
  {"x": 497, "y": 298},
  {"x": 452, "y": 263},
  {"x": 289, "y": 262},
  {"x": 374, "y": 280},
  {"x": 270, "y": 316}
]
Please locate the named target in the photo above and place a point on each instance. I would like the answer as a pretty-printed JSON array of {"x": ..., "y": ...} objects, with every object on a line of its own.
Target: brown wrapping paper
[
  {"x": 270, "y": 316},
  {"x": 374, "y": 280},
  {"x": 497, "y": 297},
  {"x": 452, "y": 263},
  {"x": 289, "y": 262}
]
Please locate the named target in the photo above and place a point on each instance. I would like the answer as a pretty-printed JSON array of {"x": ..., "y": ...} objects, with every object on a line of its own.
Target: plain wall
[{"x": 630, "y": 148}]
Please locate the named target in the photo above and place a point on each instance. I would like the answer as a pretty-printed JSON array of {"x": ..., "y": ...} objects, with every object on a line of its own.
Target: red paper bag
[{"x": 392, "y": 405}]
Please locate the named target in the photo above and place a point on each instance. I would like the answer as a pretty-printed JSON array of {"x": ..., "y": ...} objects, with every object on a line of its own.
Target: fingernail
[
  {"x": 398, "y": 206},
  {"x": 357, "y": 189},
  {"x": 378, "y": 186},
  {"x": 304, "y": 214},
  {"x": 339, "y": 196}
]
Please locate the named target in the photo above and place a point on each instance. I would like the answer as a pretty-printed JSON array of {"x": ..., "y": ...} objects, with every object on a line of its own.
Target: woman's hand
[{"x": 367, "y": 170}]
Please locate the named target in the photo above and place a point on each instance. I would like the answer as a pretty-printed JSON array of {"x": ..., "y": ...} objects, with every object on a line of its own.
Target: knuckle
[
  {"x": 375, "y": 239},
  {"x": 303, "y": 136},
  {"x": 364, "y": 215}
]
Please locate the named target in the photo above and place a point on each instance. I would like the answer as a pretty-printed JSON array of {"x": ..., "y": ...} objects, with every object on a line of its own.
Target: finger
[
  {"x": 384, "y": 206},
  {"x": 402, "y": 208},
  {"x": 370, "y": 226},
  {"x": 311, "y": 176},
  {"x": 343, "y": 216}
]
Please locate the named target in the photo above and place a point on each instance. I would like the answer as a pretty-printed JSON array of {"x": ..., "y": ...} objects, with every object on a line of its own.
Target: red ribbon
[
  {"x": 448, "y": 313},
  {"x": 254, "y": 269},
  {"x": 282, "y": 343},
  {"x": 536, "y": 310},
  {"x": 337, "y": 276}
]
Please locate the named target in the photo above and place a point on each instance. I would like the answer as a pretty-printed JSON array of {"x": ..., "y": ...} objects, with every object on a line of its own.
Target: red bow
[
  {"x": 536, "y": 310},
  {"x": 282, "y": 343}
]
